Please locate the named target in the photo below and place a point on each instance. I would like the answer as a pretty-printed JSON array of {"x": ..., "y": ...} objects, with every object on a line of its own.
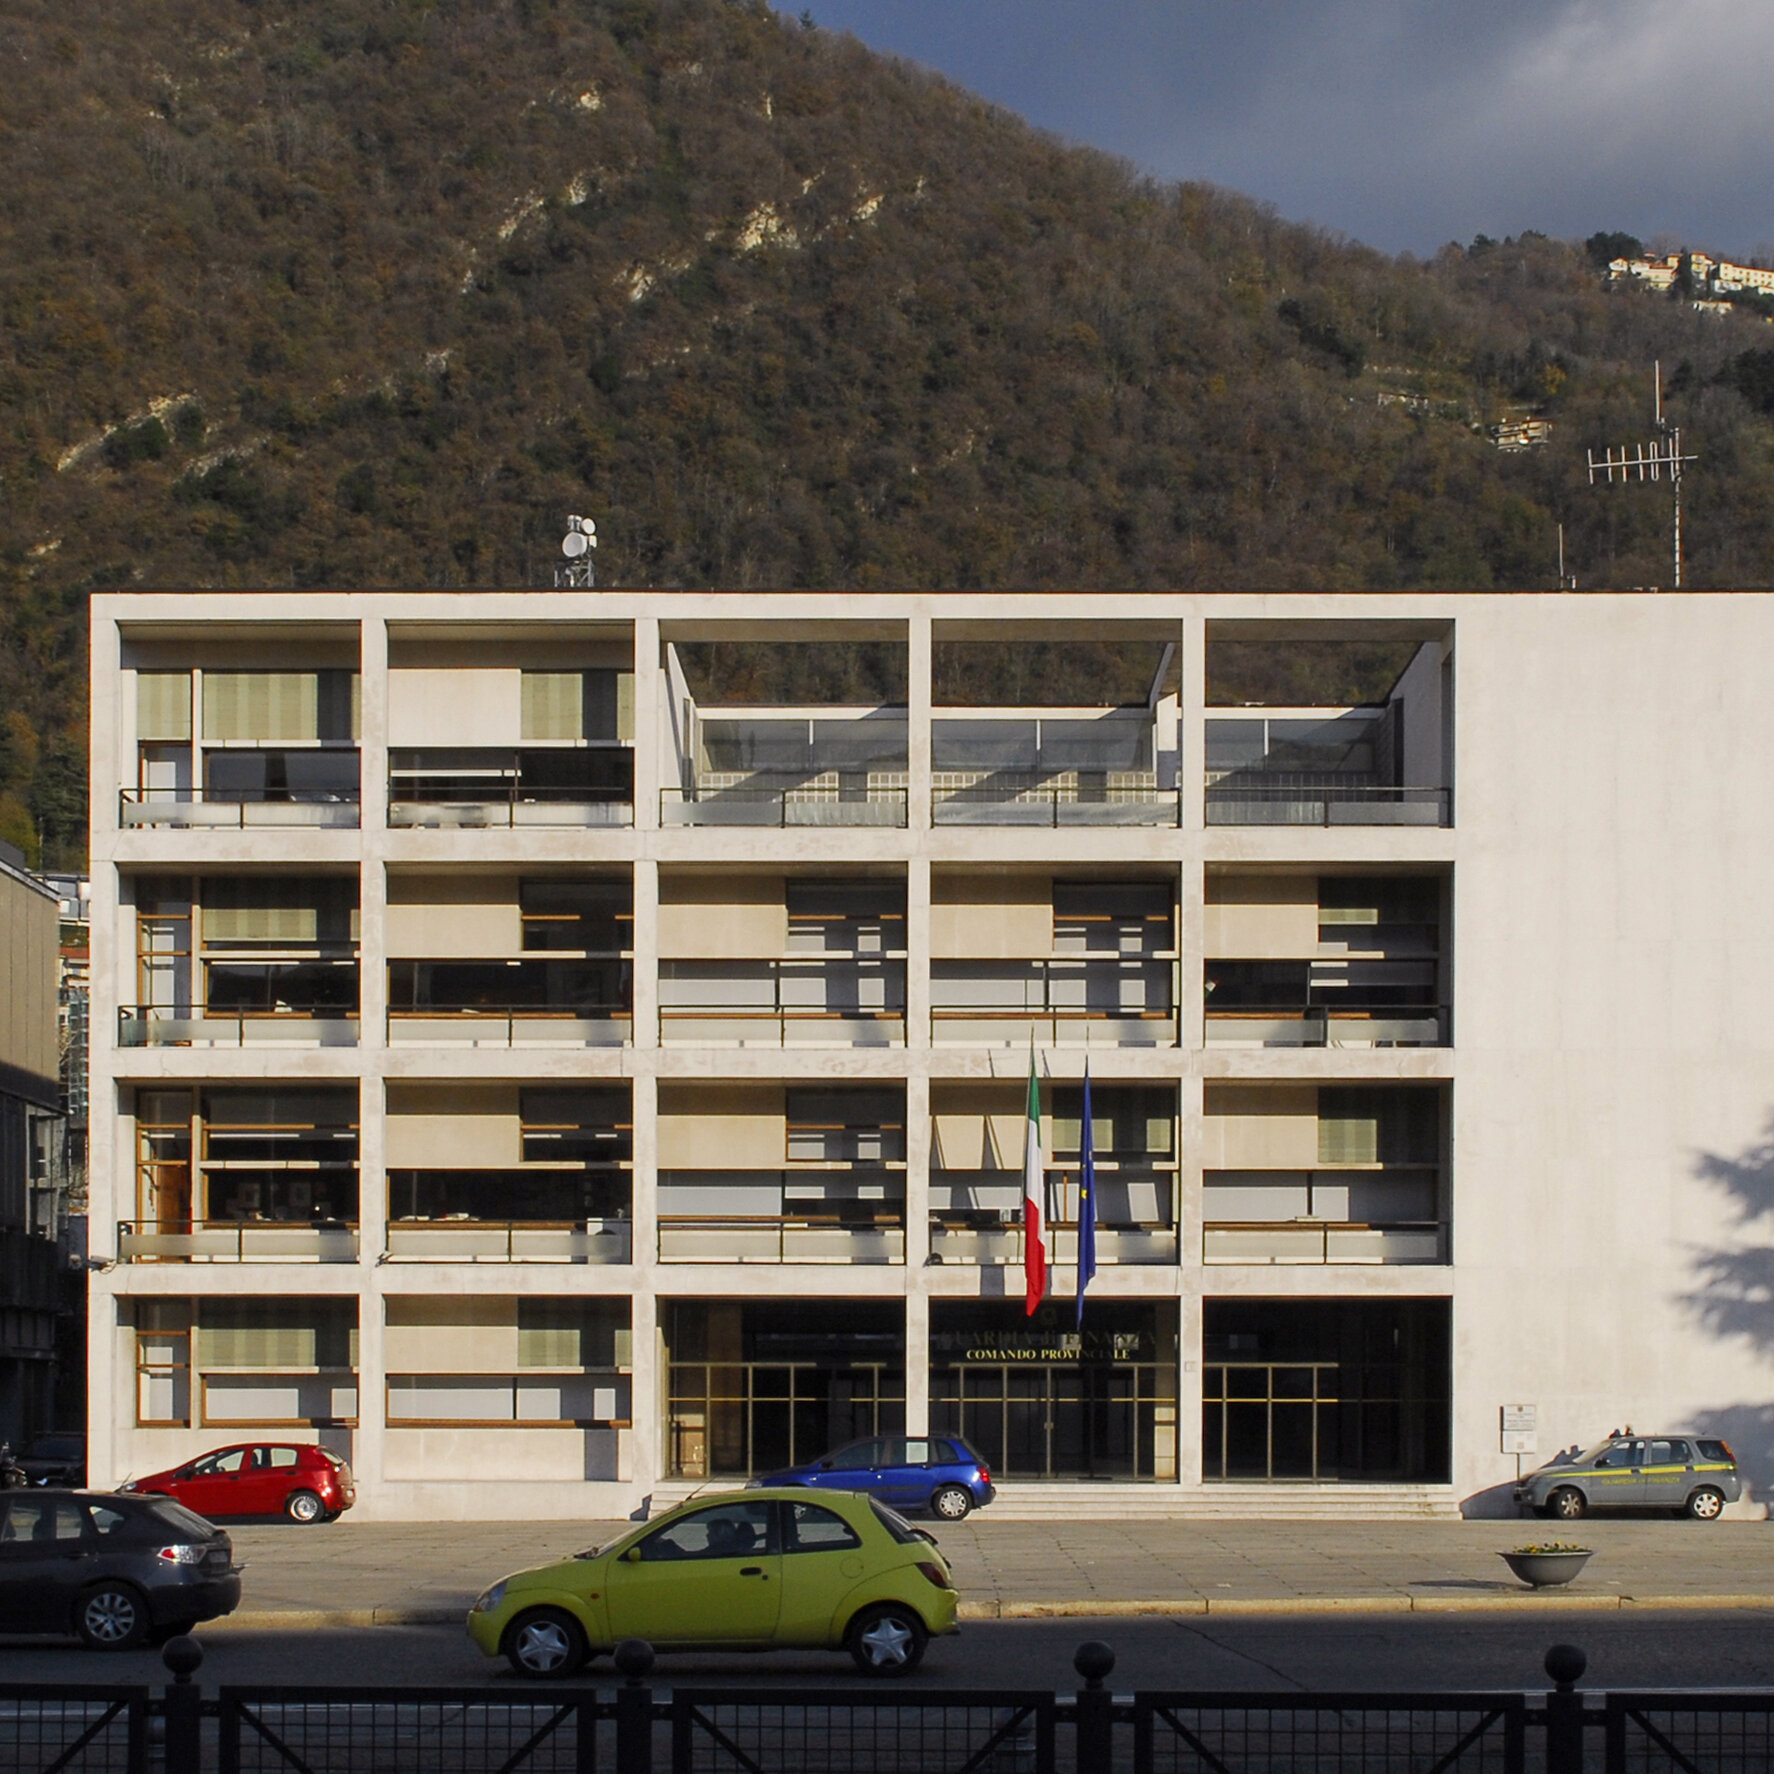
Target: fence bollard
[
  {"x": 634, "y": 1708},
  {"x": 1564, "y": 1711},
  {"x": 183, "y": 1657},
  {"x": 1096, "y": 1708}
]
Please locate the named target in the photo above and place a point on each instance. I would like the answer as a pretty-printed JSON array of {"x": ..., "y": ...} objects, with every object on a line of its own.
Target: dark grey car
[
  {"x": 114, "y": 1571},
  {"x": 1691, "y": 1475}
]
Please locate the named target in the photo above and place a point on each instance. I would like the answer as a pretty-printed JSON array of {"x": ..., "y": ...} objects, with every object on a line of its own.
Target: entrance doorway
[
  {"x": 756, "y": 1385},
  {"x": 1326, "y": 1389},
  {"x": 1038, "y": 1399}
]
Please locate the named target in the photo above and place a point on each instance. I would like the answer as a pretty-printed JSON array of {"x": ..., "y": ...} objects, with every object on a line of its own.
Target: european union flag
[{"x": 1086, "y": 1202}]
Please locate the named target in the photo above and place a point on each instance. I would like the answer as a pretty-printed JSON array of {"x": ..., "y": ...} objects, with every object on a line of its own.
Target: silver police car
[{"x": 1688, "y": 1474}]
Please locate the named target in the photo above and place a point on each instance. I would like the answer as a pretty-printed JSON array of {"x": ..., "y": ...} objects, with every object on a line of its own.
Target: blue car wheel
[{"x": 952, "y": 1502}]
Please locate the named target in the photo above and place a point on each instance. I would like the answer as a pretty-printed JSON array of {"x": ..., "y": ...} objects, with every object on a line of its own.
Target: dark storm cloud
[{"x": 1402, "y": 122}]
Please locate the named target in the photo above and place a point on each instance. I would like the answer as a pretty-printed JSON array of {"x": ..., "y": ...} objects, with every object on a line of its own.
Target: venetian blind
[
  {"x": 163, "y": 705},
  {"x": 286, "y": 705},
  {"x": 567, "y": 1333},
  {"x": 553, "y": 705},
  {"x": 255, "y": 910},
  {"x": 280, "y": 1335}
]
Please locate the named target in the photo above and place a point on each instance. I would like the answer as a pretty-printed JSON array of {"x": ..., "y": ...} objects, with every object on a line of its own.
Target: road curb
[{"x": 1091, "y": 1608}]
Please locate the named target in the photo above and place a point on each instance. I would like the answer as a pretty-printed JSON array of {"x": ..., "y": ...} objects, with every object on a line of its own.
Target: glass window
[
  {"x": 40, "y": 1521},
  {"x": 181, "y": 1520},
  {"x": 895, "y": 1523},
  {"x": 230, "y": 1460},
  {"x": 1667, "y": 1453},
  {"x": 278, "y": 1459},
  {"x": 812, "y": 1529},
  {"x": 105, "y": 1519},
  {"x": 860, "y": 1456},
  {"x": 732, "y": 1530}
]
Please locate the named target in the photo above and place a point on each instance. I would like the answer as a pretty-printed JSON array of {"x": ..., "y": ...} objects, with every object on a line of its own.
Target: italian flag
[{"x": 1034, "y": 1192}]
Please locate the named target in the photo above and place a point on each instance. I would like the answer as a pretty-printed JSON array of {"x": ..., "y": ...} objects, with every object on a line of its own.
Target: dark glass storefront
[
  {"x": 1039, "y": 1399},
  {"x": 1327, "y": 1389},
  {"x": 758, "y": 1384}
]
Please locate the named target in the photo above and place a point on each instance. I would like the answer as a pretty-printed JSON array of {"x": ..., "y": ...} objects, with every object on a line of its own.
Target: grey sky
[{"x": 1404, "y": 123}]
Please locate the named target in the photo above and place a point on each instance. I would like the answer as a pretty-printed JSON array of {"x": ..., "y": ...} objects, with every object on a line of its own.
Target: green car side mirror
[{"x": 632, "y": 1556}]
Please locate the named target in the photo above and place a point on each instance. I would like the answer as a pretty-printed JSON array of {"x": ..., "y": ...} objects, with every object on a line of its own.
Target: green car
[
  {"x": 1688, "y": 1474},
  {"x": 758, "y": 1571}
]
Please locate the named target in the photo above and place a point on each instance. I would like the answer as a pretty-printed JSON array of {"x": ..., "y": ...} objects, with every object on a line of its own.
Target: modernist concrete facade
[{"x": 528, "y": 1060}]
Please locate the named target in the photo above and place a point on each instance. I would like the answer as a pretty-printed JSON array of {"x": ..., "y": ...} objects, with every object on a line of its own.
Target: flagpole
[
  {"x": 1034, "y": 1194},
  {"x": 1086, "y": 1196}
]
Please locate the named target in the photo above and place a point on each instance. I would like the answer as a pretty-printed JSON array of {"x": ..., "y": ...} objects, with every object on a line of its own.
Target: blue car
[{"x": 940, "y": 1473}]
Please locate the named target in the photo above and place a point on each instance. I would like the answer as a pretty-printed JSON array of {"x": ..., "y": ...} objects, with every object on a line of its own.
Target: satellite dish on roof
[{"x": 576, "y": 545}]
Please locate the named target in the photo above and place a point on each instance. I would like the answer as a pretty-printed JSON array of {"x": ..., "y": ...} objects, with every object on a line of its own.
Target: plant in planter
[{"x": 1545, "y": 1566}]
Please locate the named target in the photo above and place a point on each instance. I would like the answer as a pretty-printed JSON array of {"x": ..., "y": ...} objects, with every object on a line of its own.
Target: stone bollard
[
  {"x": 634, "y": 1708},
  {"x": 1096, "y": 1708},
  {"x": 183, "y": 1657},
  {"x": 1564, "y": 1710}
]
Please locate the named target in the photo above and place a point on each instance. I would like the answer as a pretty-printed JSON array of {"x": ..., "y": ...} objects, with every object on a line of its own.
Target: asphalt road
[{"x": 1670, "y": 1650}]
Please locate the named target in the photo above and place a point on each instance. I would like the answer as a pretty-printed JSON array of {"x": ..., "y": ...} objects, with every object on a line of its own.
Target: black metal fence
[{"x": 879, "y": 1729}]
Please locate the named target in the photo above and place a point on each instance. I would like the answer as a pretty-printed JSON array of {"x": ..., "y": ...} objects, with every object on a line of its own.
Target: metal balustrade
[
  {"x": 237, "y": 1241},
  {"x": 1282, "y": 1243},
  {"x": 1329, "y": 1025},
  {"x": 153, "y": 1025},
  {"x": 456, "y": 1238},
  {"x": 191, "y": 808}
]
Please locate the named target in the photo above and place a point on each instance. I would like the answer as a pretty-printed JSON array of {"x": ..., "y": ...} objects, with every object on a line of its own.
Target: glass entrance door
[{"x": 1060, "y": 1419}]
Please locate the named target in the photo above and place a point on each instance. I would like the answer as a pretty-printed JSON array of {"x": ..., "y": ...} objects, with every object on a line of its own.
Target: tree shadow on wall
[{"x": 1733, "y": 1296}]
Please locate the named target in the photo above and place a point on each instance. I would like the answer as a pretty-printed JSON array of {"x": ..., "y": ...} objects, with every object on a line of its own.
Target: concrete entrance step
[
  {"x": 1022, "y": 1501},
  {"x": 1224, "y": 1502}
]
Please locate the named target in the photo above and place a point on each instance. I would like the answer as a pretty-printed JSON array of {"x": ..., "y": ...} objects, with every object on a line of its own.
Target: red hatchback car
[{"x": 304, "y": 1482}]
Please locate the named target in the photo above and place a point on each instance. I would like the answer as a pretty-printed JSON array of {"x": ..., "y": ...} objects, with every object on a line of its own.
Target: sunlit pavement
[{"x": 364, "y": 1573}]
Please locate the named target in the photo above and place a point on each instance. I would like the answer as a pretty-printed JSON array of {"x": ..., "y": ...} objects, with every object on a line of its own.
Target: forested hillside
[{"x": 303, "y": 293}]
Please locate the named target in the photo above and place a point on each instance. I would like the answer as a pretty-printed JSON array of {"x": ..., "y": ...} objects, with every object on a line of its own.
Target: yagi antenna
[
  {"x": 575, "y": 573},
  {"x": 1660, "y": 459}
]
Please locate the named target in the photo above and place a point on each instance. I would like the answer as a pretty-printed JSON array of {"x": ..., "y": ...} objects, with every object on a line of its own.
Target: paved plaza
[{"x": 407, "y": 1573}]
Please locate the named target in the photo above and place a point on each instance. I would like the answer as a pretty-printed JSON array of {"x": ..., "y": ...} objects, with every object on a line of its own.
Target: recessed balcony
[
  {"x": 853, "y": 1217},
  {"x": 1011, "y": 767},
  {"x": 976, "y": 1218},
  {"x": 1315, "y": 767},
  {"x": 509, "y": 1003},
  {"x": 574, "y": 787}
]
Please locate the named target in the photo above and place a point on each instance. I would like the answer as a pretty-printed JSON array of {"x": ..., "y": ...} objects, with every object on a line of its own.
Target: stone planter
[{"x": 1545, "y": 1570}]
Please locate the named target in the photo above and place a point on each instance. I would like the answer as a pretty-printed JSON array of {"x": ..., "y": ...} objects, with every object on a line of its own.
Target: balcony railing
[
  {"x": 1318, "y": 1242},
  {"x": 526, "y": 808},
  {"x": 491, "y": 1026},
  {"x": 779, "y": 1238},
  {"x": 458, "y": 1239},
  {"x": 995, "y": 800},
  {"x": 982, "y": 1240},
  {"x": 1064, "y": 1001},
  {"x": 1327, "y": 1025},
  {"x": 152, "y": 1025},
  {"x": 236, "y": 1241},
  {"x": 818, "y": 1001},
  {"x": 757, "y": 801},
  {"x": 1259, "y": 800},
  {"x": 188, "y": 807}
]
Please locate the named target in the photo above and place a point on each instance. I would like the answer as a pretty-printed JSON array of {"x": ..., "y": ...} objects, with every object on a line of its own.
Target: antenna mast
[
  {"x": 575, "y": 572},
  {"x": 1650, "y": 461}
]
